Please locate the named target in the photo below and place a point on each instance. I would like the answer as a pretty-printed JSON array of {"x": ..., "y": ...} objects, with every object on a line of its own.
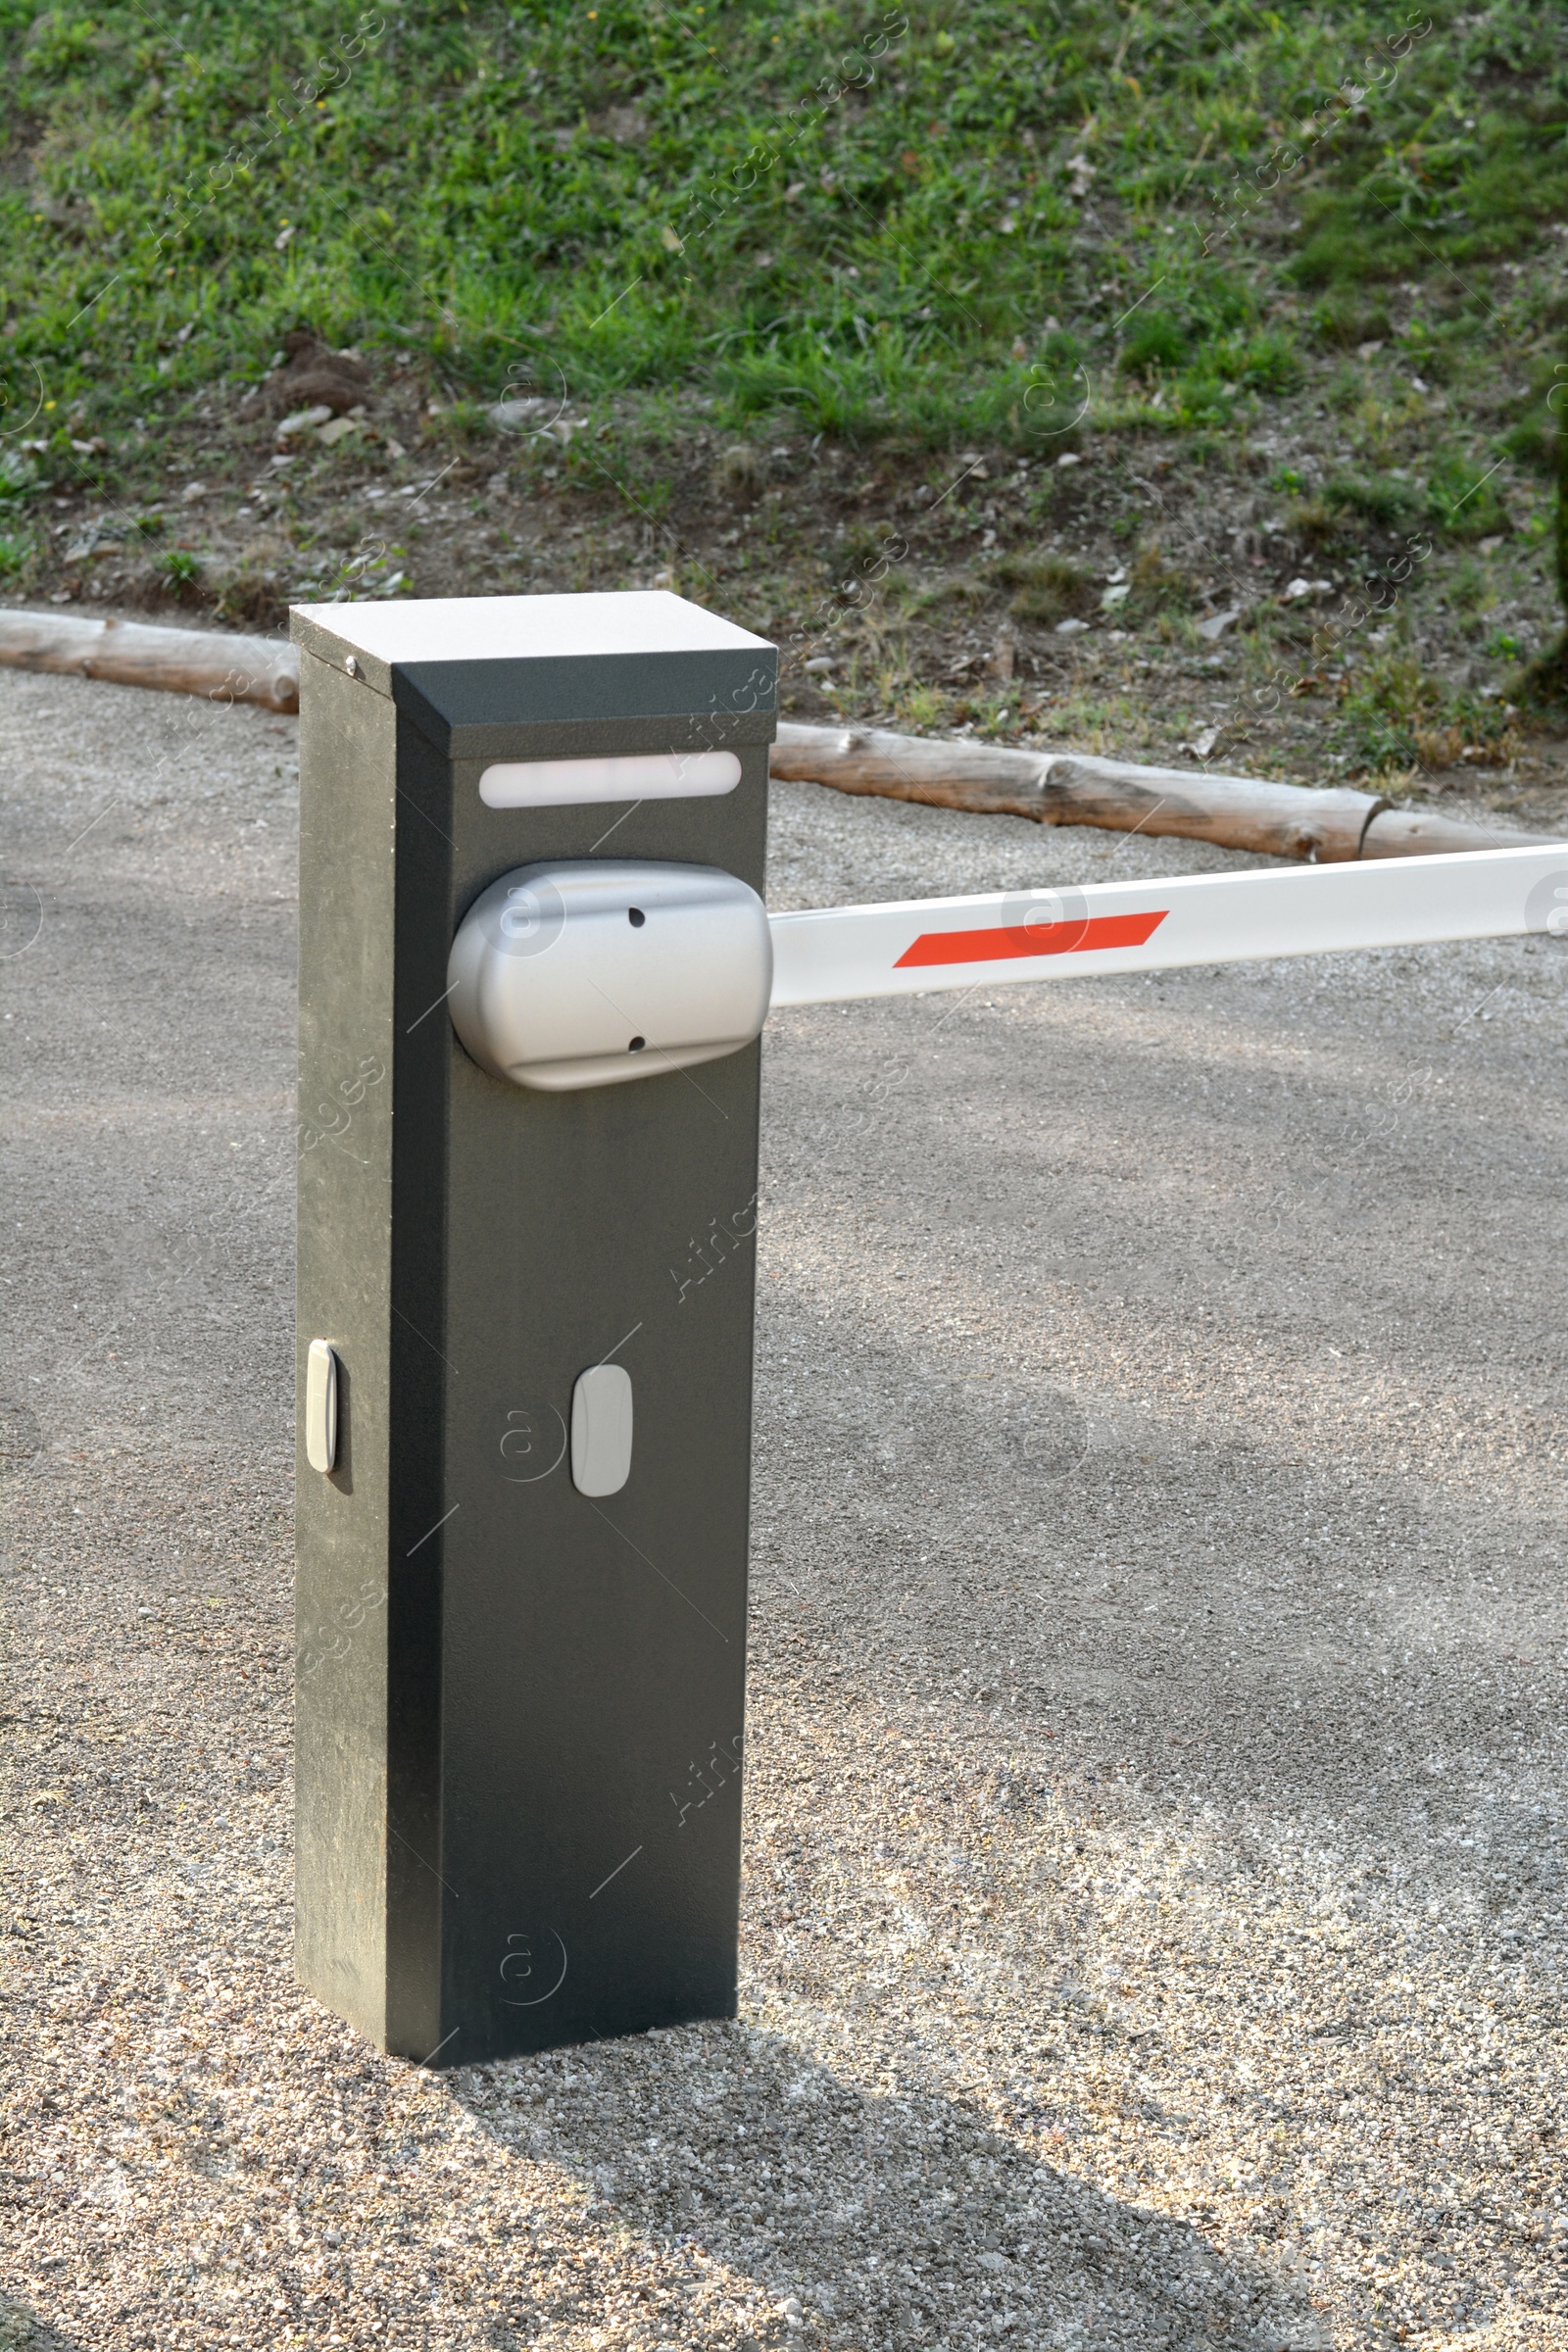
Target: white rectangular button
[
  {"x": 601, "y": 1431},
  {"x": 320, "y": 1406}
]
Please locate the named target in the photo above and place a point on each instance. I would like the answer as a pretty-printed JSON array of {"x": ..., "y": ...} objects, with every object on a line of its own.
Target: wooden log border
[{"x": 1053, "y": 788}]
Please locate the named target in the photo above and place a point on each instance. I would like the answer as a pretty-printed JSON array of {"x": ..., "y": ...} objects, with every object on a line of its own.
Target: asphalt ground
[{"x": 1154, "y": 1916}]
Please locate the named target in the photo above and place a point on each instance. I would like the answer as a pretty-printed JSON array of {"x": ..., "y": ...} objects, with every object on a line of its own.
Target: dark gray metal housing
[{"x": 519, "y": 1711}]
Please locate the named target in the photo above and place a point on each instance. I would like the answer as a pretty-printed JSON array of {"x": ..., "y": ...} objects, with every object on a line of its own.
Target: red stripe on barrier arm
[{"x": 1038, "y": 938}]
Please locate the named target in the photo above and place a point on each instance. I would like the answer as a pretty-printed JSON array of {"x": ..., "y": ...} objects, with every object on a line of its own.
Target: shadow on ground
[{"x": 978, "y": 2236}]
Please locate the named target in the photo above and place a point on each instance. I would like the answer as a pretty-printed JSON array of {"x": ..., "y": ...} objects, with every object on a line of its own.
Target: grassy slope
[
  {"x": 979, "y": 224},
  {"x": 483, "y": 186}
]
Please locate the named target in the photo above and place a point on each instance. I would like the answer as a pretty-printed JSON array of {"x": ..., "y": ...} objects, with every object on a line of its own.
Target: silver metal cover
[{"x": 587, "y": 973}]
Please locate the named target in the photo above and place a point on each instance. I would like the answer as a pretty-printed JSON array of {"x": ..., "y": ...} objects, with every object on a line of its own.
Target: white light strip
[
  {"x": 635, "y": 776},
  {"x": 1066, "y": 933}
]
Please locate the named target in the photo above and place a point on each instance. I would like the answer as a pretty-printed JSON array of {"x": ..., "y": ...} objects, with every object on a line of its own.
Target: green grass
[
  {"x": 180, "y": 568},
  {"x": 1047, "y": 588},
  {"x": 953, "y": 223},
  {"x": 20, "y": 477},
  {"x": 1398, "y": 718}
]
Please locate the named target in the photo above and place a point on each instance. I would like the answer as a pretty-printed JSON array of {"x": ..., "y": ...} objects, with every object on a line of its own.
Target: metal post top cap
[{"x": 517, "y": 628}]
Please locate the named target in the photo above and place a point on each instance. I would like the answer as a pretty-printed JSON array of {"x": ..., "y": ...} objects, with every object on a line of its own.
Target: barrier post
[{"x": 526, "y": 1316}]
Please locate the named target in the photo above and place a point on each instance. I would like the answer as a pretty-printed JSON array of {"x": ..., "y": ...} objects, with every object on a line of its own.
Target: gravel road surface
[{"x": 1154, "y": 1913}]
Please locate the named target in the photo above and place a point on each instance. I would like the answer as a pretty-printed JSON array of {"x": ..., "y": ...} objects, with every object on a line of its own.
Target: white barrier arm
[{"x": 1061, "y": 934}]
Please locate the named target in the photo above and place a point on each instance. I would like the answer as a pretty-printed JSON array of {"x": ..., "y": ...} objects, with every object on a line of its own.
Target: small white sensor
[{"x": 320, "y": 1406}]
